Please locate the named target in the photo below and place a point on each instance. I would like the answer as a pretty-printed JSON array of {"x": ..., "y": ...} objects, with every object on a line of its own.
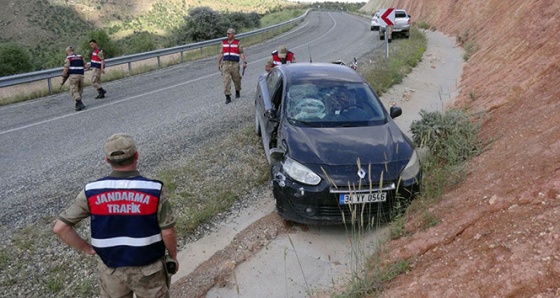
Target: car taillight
[{"x": 408, "y": 21}]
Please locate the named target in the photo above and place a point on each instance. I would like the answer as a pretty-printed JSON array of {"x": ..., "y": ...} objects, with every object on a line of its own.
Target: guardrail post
[
  {"x": 158, "y": 62},
  {"x": 182, "y": 57},
  {"x": 49, "y": 83},
  {"x": 129, "y": 68}
]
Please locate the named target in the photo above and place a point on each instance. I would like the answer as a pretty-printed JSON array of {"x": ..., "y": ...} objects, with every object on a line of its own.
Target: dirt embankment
[{"x": 499, "y": 234}]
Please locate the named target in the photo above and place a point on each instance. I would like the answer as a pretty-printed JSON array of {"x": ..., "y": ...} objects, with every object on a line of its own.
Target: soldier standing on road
[
  {"x": 74, "y": 73},
  {"x": 132, "y": 225},
  {"x": 228, "y": 64},
  {"x": 279, "y": 57},
  {"x": 98, "y": 66}
]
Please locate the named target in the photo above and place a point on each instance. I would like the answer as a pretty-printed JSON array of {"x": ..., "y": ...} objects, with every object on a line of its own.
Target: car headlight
[
  {"x": 300, "y": 172},
  {"x": 412, "y": 168}
]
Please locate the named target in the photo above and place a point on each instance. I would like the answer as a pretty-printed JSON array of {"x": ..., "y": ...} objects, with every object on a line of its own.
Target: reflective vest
[
  {"x": 76, "y": 64},
  {"x": 95, "y": 61},
  {"x": 230, "y": 50},
  {"x": 277, "y": 61},
  {"x": 124, "y": 224}
]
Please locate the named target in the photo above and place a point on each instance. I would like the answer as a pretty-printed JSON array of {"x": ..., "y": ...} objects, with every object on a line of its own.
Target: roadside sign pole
[
  {"x": 387, "y": 43},
  {"x": 388, "y": 20}
]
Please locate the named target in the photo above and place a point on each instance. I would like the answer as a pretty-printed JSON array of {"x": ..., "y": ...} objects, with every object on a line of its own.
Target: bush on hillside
[
  {"x": 14, "y": 59},
  {"x": 204, "y": 23},
  {"x": 137, "y": 43}
]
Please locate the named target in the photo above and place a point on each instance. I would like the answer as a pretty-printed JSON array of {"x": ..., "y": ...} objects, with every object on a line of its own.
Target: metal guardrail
[{"x": 48, "y": 74}]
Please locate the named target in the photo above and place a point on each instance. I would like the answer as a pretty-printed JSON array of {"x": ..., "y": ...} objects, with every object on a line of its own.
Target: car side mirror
[
  {"x": 395, "y": 112},
  {"x": 409, "y": 16}
]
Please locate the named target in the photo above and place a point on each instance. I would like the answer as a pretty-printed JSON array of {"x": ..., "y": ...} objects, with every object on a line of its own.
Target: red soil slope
[{"x": 500, "y": 229}]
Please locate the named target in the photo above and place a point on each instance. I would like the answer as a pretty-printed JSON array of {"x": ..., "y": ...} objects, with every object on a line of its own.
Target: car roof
[{"x": 296, "y": 72}]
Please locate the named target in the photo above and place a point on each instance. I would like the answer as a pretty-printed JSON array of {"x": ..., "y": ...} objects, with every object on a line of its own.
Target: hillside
[
  {"x": 499, "y": 234},
  {"x": 45, "y": 27},
  {"x": 36, "y": 21}
]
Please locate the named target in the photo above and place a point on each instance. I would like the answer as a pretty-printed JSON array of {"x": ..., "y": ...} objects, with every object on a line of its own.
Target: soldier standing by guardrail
[
  {"x": 228, "y": 64},
  {"x": 98, "y": 66},
  {"x": 74, "y": 71}
]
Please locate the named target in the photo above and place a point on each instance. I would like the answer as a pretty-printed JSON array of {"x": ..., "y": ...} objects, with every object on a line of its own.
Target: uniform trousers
[
  {"x": 96, "y": 77},
  {"x": 230, "y": 71},
  {"x": 148, "y": 281},
  {"x": 76, "y": 86}
]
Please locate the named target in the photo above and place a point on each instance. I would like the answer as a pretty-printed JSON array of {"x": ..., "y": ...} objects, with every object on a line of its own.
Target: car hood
[{"x": 384, "y": 148}]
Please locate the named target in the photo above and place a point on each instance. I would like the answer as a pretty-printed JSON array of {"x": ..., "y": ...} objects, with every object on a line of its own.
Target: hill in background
[{"x": 46, "y": 26}]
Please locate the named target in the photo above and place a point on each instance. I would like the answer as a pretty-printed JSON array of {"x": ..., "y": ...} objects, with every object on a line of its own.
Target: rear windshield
[
  {"x": 333, "y": 104},
  {"x": 400, "y": 14}
]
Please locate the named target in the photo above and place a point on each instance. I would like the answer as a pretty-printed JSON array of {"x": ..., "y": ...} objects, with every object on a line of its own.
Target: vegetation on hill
[{"x": 44, "y": 28}]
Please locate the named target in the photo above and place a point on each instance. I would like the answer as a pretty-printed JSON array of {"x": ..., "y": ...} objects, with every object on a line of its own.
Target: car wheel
[
  {"x": 407, "y": 34},
  {"x": 257, "y": 125},
  {"x": 381, "y": 37}
]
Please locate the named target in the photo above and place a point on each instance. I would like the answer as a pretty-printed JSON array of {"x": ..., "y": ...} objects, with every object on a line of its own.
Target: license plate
[{"x": 362, "y": 198}]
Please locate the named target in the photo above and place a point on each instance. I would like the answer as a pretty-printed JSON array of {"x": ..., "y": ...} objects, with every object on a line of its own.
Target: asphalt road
[{"x": 48, "y": 151}]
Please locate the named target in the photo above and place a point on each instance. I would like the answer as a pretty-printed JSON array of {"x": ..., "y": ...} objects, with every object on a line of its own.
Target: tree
[
  {"x": 14, "y": 59},
  {"x": 204, "y": 23}
]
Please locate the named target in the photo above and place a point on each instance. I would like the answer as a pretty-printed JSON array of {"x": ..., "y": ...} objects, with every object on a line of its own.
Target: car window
[
  {"x": 272, "y": 80},
  {"x": 400, "y": 14},
  {"x": 333, "y": 104}
]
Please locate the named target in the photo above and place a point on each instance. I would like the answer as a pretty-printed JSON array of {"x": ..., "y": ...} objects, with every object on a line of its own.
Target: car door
[{"x": 267, "y": 110}]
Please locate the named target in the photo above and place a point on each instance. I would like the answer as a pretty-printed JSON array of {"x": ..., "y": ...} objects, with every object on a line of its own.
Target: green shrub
[
  {"x": 137, "y": 43},
  {"x": 14, "y": 59},
  {"x": 452, "y": 136}
]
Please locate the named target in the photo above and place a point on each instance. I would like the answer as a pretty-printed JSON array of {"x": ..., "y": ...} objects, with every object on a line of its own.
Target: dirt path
[{"x": 254, "y": 253}]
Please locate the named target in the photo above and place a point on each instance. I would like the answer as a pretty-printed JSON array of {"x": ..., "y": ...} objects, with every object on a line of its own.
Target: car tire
[
  {"x": 381, "y": 37},
  {"x": 257, "y": 125},
  {"x": 407, "y": 34}
]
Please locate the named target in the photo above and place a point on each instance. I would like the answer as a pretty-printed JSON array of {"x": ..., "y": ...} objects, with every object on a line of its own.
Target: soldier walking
[
  {"x": 74, "y": 73},
  {"x": 228, "y": 64},
  {"x": 97, "y": 65}
]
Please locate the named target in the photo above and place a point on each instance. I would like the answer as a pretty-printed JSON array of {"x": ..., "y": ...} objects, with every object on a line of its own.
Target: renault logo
[{"x": 361, "y": 173}]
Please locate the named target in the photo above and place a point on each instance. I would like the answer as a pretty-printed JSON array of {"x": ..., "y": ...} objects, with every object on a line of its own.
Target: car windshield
[{"x": 333, "y": 104}]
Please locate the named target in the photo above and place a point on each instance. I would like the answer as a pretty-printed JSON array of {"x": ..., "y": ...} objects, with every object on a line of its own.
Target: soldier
[
  {"x": 132, "y": 225},
  {"x": 98, "y": 65},
  {"x": 74, "y": 72},
  {"x": 281, "y": 56},
  {"x": 228, "y": 64}
]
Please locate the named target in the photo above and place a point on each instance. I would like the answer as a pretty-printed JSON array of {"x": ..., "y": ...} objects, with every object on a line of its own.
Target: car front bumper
[{"x": 320, "y": 205}]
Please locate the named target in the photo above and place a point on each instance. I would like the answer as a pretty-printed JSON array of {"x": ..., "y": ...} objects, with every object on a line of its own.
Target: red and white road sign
[{"x": 387, "y": 17}]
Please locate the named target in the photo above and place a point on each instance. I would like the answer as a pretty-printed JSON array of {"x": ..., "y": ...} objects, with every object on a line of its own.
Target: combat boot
[
  {"x": 237, "y": 94},
  {"x": 80, "y": 105},
  {"x": 228, "y": 99},
  {"x": 100, "y": 93}
]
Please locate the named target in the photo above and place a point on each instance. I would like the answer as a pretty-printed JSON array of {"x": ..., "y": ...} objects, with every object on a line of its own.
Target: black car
[{"x": 335, "y": 153}]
